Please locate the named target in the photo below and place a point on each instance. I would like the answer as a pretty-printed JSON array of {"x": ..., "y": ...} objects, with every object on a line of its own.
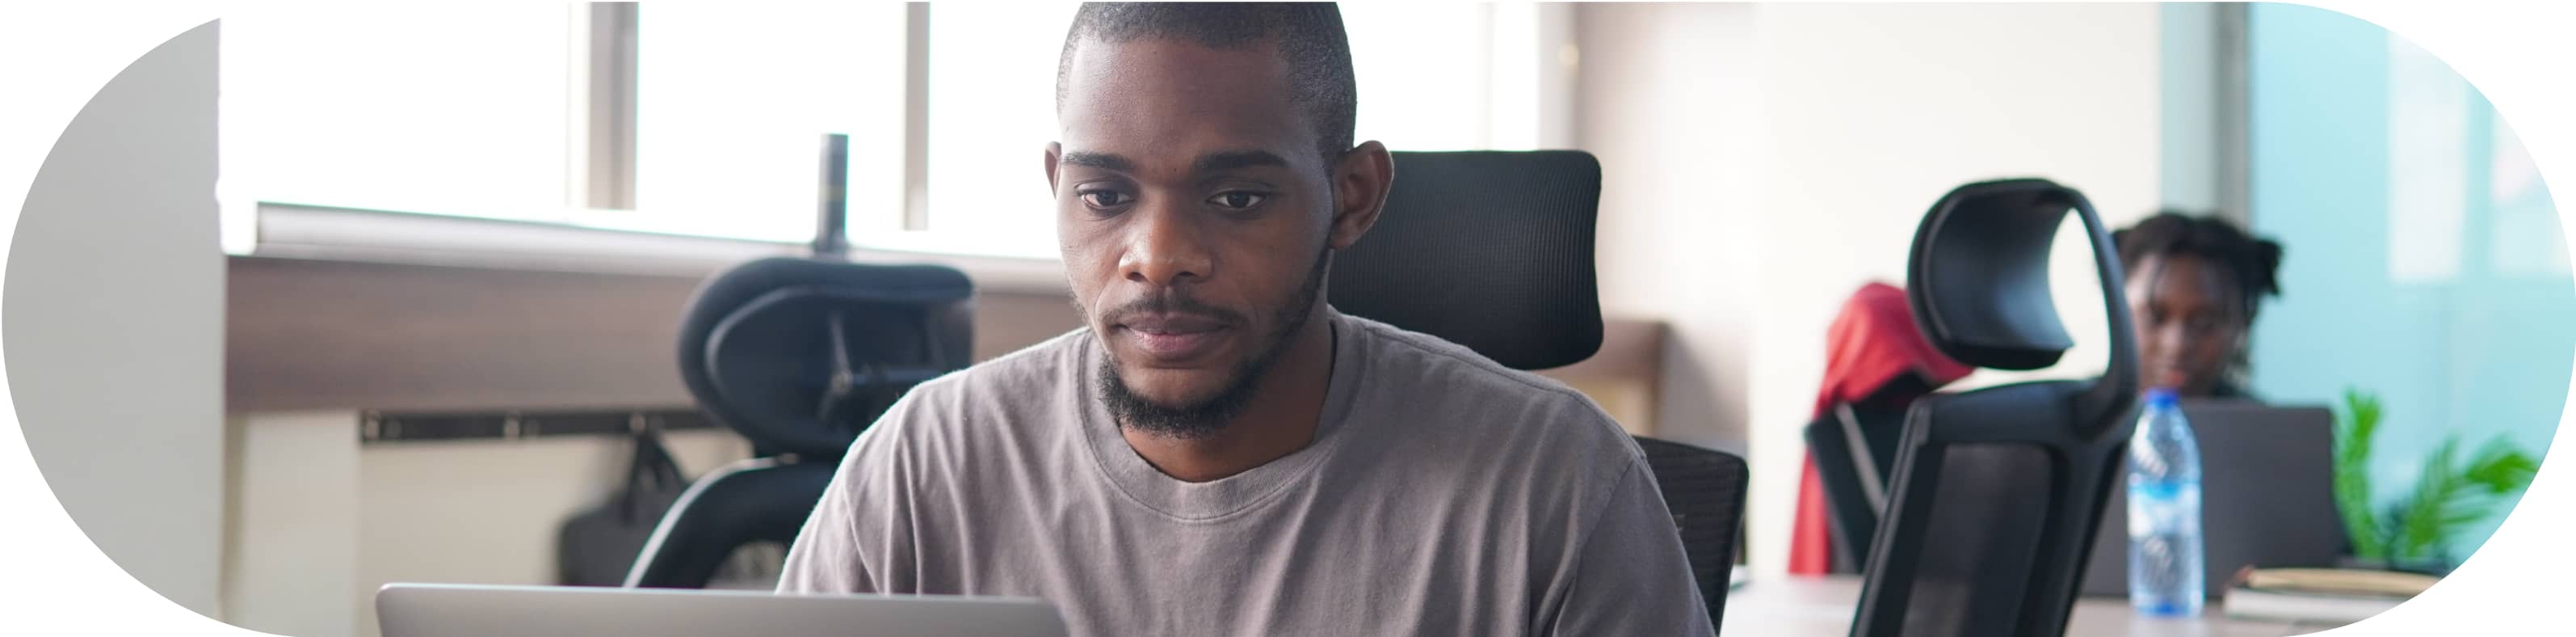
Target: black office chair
[
  {"x": 1704, "y": 488},
  {"x": 1855, "y": 451},
  {"x": 799, "y": 356},
  {"x": 1997, "y": 492},
  {"x": 1493, "y": 250}
]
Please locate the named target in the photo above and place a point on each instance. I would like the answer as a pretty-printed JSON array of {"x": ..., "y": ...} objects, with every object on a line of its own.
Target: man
[{"x": 1218, "y": 452}]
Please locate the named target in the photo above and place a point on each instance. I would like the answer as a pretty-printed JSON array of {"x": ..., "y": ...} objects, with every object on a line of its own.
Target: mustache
[{"x": 1174, "y": 303}]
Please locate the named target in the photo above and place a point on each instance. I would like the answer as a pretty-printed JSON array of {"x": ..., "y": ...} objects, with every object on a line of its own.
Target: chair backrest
[
  {"x": 800, "y": 354},
  {"x": 1853, "y": 459},
  {"x": 1997, "y": 492},
  {"x": 1705, "y": 491},
  {"x": 1854, "y": 449},
  {"x": 1492, "y": 250}
]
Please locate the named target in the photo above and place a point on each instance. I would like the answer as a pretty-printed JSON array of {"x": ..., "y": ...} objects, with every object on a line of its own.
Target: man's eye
[
  {"x": 1238, "y": 200},
  {"x": 1103, "y": 198}
]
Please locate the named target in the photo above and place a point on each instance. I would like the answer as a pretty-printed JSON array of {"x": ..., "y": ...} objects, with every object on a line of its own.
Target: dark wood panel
[
  {"x": 340, "y": 335},
  {"x": 1631, "y": 350},
  {"x": 303, "y": 334},
  {"x": 329, "y": 335},
  {"x": 376, "y": 428}
]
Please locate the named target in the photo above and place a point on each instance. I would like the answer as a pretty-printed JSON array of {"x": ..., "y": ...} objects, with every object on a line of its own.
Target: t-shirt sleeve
[{"x": 1630, "y": 576}]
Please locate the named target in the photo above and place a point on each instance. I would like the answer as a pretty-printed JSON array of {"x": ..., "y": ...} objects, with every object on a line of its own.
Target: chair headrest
[
  {"x": 1492, "y": 250},
  {"x": 1978, "y": 276},
  {"x": 799, "y": 355}
]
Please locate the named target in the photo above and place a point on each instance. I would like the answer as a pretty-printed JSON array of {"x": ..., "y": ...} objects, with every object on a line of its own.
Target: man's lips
[
  {"x": 1171, "y": 324},
  {"x": 1172, "y": 337}
]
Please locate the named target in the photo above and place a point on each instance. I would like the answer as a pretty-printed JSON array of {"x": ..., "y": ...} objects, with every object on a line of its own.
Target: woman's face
[{"x": 2189, "y": 318}]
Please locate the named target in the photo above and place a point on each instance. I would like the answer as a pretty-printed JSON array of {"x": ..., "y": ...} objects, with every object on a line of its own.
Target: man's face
[{"x": 1194, "y": 212}]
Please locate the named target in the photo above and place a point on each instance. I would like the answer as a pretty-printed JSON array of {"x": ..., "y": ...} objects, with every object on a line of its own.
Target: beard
[{"x": 1210, "y": 415}]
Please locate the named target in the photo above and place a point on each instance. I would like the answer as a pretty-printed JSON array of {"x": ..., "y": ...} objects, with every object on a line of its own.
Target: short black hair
[
  {"x": 2253, "y": 262},
  {"x": 1309, "y": 35}
]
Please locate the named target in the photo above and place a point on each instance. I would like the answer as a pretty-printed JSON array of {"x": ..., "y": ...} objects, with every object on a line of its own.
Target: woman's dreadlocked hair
[{"x": 2255, "y": 263}]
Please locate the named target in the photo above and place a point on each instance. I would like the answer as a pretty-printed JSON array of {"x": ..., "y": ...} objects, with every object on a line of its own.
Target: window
[
  {"x": 732, "y": 102},
  {"x": 1427, "y": 73},
  {"x": 2420, "y": 248},
  {"x": 992, "y": 111},
  {"x": 512, "y": 113},
  {"x": 383, "y": 107}
]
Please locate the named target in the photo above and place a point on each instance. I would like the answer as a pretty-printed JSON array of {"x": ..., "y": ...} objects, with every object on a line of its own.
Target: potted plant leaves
[{"x": 2414, "y": 533}]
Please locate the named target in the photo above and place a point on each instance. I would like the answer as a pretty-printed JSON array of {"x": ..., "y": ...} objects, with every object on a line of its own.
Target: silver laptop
[
  {"x": 2266, "y": 496},
  {"x": 452, "y": 610}
]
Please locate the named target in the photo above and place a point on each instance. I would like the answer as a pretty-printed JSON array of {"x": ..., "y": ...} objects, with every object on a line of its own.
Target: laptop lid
[
  {"x": 451, "y": 610},
  {"x": 2267, "y": 496}
]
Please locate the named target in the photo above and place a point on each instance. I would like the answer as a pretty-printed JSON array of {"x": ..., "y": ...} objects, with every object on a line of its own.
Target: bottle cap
[{"x": 2162, "y": 397}]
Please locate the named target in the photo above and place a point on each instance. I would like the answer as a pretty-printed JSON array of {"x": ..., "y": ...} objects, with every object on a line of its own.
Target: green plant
[
  {"x": 2447, "y": 496},
  {"x": 2353, "y": 431}
]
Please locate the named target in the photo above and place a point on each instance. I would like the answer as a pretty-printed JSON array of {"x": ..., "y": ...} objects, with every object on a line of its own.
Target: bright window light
[
  {"x": 485, "y": 111},
  {"x": 992, "y": 112},
  {"x": 453, "y": 109},
  {"x": 1425, "y": 73},
  {"x": 733, "y": 101}
]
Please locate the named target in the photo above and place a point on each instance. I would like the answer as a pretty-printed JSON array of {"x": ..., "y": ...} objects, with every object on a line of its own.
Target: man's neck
[{"x": 1280, "y": 419}]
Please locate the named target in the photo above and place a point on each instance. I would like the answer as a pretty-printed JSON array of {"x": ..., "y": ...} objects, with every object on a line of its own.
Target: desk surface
[{"x": 1792, "y": 606}]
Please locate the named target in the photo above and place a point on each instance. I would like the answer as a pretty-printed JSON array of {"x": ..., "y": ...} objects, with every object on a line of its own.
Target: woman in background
[{"x": 2194, "y": 284}]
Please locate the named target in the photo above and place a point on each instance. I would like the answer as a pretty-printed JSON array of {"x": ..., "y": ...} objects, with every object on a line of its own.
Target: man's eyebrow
[
  {"x": 1231, "y": 160},
  {"x": 1097, "y": 160}
]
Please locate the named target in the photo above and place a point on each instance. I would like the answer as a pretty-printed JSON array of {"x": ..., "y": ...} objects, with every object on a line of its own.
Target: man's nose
[{"x": 1166, "y": 247}]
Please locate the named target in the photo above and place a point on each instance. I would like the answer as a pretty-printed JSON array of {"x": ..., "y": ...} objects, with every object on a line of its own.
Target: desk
[{"x": 1792, "y": 606}]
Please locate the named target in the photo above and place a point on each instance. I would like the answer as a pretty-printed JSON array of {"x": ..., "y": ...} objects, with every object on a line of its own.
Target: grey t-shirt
[{"x": 1443, "y": 494}]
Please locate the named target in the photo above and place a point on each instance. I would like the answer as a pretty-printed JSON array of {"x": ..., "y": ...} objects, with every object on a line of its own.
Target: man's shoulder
[
  {"x": 1018, "y": 374},
  {"x": 1446, "y": 361},
  {"x": 1450, "y": 411},
  {"x": 986, "y": 399},
  {"x": 1467, "y": 389}
]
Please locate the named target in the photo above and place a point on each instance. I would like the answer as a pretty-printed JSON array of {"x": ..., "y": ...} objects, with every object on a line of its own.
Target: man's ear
[
  {"x": 1361, "y": 181},
  {"x": 1055, "y": 150}
]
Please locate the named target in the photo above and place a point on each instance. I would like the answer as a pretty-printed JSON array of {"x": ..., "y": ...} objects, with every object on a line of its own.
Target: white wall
[
  {"x": 1666, "y": 101},
  {"x": 1778, "y": 156},
  {"x": 486, "y": 512},
  {"x": 323, "y": 522},
  {"x": 114, "y": 318},
  {"x": 292, "y": 540}
]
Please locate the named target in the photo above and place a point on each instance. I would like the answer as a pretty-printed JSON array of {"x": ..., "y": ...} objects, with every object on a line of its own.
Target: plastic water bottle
[{"x": 2166, "y": 563}]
